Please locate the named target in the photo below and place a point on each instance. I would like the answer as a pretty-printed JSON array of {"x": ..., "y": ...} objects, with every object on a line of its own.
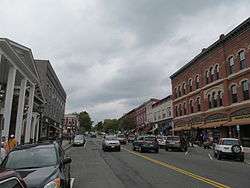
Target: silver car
[
  {"x": 79, "y": 140},
  {"x": 111, "y": 143}
]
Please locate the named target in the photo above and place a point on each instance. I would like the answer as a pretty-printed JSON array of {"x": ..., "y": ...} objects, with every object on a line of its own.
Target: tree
[
  {"x": 126, "y": 123},
  {"x": 85, "y": 121},
  {"x": 98, "y": 126},
  {"x": 111, "y": 125}
]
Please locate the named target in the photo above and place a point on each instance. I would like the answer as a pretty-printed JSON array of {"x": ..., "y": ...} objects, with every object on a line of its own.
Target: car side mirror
[{"x": 67, "y": 160}]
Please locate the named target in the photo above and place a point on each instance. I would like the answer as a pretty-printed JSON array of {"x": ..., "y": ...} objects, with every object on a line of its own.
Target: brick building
[
  {"x": 211, "y": 92},
  {"x": 71, "y": 124}
]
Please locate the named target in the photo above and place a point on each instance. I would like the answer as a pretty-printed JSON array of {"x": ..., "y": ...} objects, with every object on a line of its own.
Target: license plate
[{"x": 112, "y": 146}]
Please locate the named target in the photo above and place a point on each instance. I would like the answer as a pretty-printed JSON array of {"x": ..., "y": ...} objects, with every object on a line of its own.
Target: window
[
  {"x": 190, "y": 83},
  {"x": 184, "y": 109},
  {"x": 175, "y": 92},
  {"x": 216, "y": 72},
  {"x": 214, "y": 98},
  {"x": 245, "y": 90},
  {"x": 243, "y": 64},
  {"x": 234, "y": 93},
  {"x": 207, "y": 77},
  {"x": 211, "y": 71},
  {"x": 220, "y": 95},
  {"x": 209, "y": 102},
  {"x": 191, "y": 107},
  {"x": 231, "y": 65},
  {"x": 197, "y": 81},
  {"x": 179, "y": 91},
  {"x": 198, "y": 104},
  {"x": 184, "y": 88},
  {"x": 180, "y": 110},
  {"x": 176, "y": 111}
]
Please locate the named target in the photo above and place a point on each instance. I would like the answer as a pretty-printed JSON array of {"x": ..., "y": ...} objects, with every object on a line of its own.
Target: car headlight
[{"x": 54, "y": 184}]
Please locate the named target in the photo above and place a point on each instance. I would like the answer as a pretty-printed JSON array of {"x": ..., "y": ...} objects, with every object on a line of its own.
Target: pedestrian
[
  {"x": 11, "y": 143},
  {"x": 3, "y": 152}
]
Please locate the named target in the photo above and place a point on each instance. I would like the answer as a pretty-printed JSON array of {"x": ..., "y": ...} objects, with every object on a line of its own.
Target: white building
[
  {"x": 20, "y": 93},
  {"x": 162, "y": 115}
]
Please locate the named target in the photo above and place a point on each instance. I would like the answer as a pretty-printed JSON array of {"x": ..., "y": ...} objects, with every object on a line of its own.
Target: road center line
[
  {"x": 182, "y": 171},
  {"x": 210, "y": 157},
  {"x": 72, "y": 182}
]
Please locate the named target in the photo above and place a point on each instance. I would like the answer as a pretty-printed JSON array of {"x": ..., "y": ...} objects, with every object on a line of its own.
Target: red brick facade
[{"x": 208, "y": 92}]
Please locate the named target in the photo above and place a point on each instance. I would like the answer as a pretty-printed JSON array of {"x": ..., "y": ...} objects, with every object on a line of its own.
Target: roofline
[{"x": 222, "y": 38}]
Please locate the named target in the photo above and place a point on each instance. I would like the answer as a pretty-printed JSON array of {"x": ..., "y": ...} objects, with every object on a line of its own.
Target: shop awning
[
  {"x": 213, "y": 125},
  {"x": 233, "y": 123},
  {"x": 184, "y": 128}
]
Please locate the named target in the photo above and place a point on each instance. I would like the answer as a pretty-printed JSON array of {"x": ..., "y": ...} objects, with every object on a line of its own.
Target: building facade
[
  {"x": 71, "y": 124},
  {"x": 211, "y": 92},
  {"x": 21, "y": 97},
  {"x": 55, "y": 96},
  {"x": 162, "y": 115}
]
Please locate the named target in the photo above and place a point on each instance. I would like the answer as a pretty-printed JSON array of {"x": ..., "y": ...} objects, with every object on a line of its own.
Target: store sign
[
  {"x": 197, "y": 120},
  {"x": 242, "y": 114},
  {"x": 216, "y": 118}
]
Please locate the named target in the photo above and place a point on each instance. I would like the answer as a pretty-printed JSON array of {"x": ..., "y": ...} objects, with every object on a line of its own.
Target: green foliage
[
  {"x": 85, "y": 121},
  {"x": 126, "y": 124},
  {"x": 111, "y": 125},
  {"x": 98, "y": 127}
]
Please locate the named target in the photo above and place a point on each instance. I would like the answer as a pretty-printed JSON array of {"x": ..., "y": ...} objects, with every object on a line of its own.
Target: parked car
[
  {"x": 79, "y": 140},
  {"x": 40, "y": 165},
  {"x": 146, "y": 143},
  {"x": 229, "y": 147},
  {"x": 176, "y": 143},
  {"x": 161, "y": 141},
  {"x": 93, "y": 135},
  {"x": 111, "y": 143},
  {"x": 131, "y": 138},
  {"x": 11, "y": 179},
  {"x": 122, "y": 138}
]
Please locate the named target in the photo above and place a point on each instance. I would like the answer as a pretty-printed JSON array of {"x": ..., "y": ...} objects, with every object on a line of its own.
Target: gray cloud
[{"x": 112, "y": 55}]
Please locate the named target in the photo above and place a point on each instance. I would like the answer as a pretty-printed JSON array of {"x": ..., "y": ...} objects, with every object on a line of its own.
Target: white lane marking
[
  {"x": 186, "y": 153},
  {"x": 210, "y": 157},
  {"x": 72, "y": 182}
]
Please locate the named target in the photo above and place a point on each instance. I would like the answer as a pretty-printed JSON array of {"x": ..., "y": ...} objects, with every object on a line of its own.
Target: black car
[
  {"x": 40, "y": 165},
  {"x": 11, "y": 179},
  {"x": 146, "y": 143}
]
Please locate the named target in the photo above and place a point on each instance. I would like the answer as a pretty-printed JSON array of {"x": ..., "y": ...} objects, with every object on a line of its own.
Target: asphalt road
[{"x": 93, "y": 168}]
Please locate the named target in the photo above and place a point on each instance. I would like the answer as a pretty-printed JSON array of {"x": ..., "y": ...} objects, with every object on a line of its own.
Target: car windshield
[
  {"x": 79, "y": 137},
  {"x": 150, "y": 138},
  {"x": 230, "y": 142},
  {"x": 173, "y": 138},
  {"x": 31, "y": 158},
  {"x": 110, "y": 138}
]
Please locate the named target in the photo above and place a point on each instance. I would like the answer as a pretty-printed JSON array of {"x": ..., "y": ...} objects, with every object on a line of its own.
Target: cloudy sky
[{"x": 111, "y": 55}]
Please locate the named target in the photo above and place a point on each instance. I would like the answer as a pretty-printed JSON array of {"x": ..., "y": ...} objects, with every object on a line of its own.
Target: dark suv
[
  {"x": 40, "y": 165},
  {"x": 146, "y": 143}
]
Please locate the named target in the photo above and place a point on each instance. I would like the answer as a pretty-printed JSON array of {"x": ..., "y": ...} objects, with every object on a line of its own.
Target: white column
[
  {"x": 19, "y": 119},
  {"x": 33, "y": 128},
  {"x": 30, "y": 110},
  {"x": 9, "y": 100},
  {"x": 37, "y": 129}
]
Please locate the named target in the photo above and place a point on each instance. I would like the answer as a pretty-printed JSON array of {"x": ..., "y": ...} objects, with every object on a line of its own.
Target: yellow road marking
[{"x": 185, "y": 172}]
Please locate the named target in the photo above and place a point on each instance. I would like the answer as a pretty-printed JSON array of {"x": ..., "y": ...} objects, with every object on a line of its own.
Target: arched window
[
  {"x": 176, "y": 93},
  {"x": 197, "y": 81},
  {"x": 214, "y": 98},
  {"x": 179, "y": 91},
  {"x": 219, "y": 97},
  {"x": 180, "y": 110},
  {"x": 207, "y": 77},
  {"x": 184, "y": 108},
  {"x": 198, "y": 104},
  {"x": 234, "y": 93},
  {"x": 245, "y": 89},
  {"x": 176, "y": 111},
  {"x": 191, "y": 106},
  {"x": 209, "y": 101},
  {"x": 190, "y": 83},
  {"x": 231, "y": 65},
  {"x": 243, "y": 64},
  {"x": 211, "y": 71},
  {"x": 184, "y": 88},
  {"x": 216, "y": 72}
]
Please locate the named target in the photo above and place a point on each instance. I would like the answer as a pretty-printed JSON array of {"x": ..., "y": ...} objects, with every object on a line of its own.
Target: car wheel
[
  {"x": 140, "y": 150},
  {"x": 166, "y": 148},
  {"x": 215, "y": 155},
  {"x": 134, "y": 148},
  {"x": 119, "y": 149},
  {"x": 157, "y": 151}
]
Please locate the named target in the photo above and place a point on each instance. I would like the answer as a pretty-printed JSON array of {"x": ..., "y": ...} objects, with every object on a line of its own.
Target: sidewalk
[{"x": 66, "y": 144}]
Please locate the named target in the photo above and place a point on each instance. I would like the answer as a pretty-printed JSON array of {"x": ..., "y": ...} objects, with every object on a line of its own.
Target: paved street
[{"x": 93, "y": 168}]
